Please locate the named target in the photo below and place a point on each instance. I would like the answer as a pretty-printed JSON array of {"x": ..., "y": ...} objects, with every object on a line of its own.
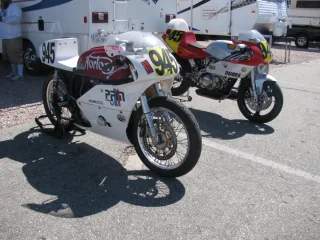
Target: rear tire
[
  {"x": 192, "y": 133},
  {"x": 185, "y": 67},
  {"x": 68, "y": 125}
]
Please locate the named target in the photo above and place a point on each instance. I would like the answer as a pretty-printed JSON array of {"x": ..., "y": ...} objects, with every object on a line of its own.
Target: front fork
[
  {"x": 147, "y": 113},
  {"x": 253, "y": 83},
  {"x": 258, "y": 76}
]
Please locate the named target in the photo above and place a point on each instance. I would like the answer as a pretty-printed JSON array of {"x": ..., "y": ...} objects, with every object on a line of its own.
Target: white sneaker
[
  {"x": 11, "y": 75},
  {"x": 16, "y": 77}
]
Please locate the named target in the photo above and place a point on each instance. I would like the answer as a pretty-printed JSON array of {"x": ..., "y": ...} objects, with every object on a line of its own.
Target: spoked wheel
[
  {"x": 48, "y": 103},
  {"x": 179, "y": 146},
  {"x": 181, "y": 83},
  {"x": 268, "y": 106}
]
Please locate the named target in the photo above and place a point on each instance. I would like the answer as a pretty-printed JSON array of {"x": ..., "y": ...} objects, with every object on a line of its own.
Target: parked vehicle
[
  {"x": 214, "y": 70},
  {"x": 230, "y": 17},
  {"x": 87, "y": 20},
  {"x": 305, "y": 17},
  {"x": 120, "y": 91},
  {"x": 304, "y": 35}
]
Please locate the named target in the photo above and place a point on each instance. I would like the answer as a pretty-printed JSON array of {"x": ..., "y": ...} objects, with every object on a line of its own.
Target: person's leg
[
  {"x": 20, "y": 69},
  {"x": 17, "y": 56},
  {"x": 5, "y": 57}
]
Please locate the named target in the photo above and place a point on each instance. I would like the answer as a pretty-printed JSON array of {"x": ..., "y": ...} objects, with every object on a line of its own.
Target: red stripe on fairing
[{"x": 119, "y": 100}]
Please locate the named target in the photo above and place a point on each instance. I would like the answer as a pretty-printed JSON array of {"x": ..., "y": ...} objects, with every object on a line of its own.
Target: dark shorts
[{"x": 12, "y": 50}]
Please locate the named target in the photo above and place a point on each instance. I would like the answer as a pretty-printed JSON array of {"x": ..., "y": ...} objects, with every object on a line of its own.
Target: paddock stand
[
  {"x": 59, "y": 130},
  {"x": 180, "y": 98}
]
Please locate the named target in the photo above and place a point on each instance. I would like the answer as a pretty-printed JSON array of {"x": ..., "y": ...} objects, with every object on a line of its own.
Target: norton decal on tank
[
  {"x": 120, "y": 91},
  {"x": 214, "y": 70}
]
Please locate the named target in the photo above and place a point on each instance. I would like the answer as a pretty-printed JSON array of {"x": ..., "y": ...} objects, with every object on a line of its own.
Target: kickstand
[{"x": 58, "y": 131}]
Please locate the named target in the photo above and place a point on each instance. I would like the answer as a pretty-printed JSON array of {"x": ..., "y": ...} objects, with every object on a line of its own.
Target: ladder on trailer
[{"x": 121, "y": 3}]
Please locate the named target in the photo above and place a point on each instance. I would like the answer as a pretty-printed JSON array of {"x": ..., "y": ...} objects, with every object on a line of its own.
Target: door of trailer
[{"x": 205, "y": 16}]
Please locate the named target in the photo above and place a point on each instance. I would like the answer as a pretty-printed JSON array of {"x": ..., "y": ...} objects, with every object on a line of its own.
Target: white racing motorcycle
[{"x": 120, "y": 91}]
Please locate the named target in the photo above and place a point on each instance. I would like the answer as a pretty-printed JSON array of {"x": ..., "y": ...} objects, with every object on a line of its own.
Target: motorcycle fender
[{"x": 261, "y": 79}]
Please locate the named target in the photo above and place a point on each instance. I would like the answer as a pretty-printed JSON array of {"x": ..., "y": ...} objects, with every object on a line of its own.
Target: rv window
[{"x": 308, "y": 4}]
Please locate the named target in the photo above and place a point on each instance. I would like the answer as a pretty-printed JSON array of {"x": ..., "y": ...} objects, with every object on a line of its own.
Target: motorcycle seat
[{"x": 196, "y": 45}]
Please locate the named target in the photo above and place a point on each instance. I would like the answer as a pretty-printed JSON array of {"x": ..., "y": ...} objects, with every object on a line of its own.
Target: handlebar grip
[{"x": 119, "y": 61}]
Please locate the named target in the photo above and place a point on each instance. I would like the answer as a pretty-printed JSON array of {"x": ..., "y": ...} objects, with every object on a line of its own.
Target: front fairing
[
  {"x": 149, "y": 57},
  {"x": 258, "y": 43}
]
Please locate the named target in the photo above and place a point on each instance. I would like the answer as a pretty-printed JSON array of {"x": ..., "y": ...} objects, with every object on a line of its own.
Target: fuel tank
[
  {"x": 93, "y": 62},
  {"x": 221, "y": 49}
]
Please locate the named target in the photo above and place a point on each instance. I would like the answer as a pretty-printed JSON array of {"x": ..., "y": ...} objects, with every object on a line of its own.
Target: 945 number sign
[
  {"x": 163, "y": 63},
  {"x": 48, "y": 52}
]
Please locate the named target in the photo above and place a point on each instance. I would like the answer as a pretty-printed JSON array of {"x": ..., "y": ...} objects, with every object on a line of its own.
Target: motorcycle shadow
[
  {"x": 215, "y": 126},
  {"x": 83, "y": 179}
]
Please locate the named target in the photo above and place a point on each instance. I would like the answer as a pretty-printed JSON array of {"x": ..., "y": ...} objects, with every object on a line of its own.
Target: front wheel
[
  {"x": 269, "y": 103},
  {"x": 180, "y": 143}
]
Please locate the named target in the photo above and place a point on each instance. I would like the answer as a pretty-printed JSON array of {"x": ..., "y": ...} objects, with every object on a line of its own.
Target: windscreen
[
  {"x": 252, "y": 35},
  {"x": 133, "y": 41}
]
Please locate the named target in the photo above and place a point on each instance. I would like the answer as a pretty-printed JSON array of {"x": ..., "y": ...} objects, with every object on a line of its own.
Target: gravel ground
[{"x": 21, "y": 100}]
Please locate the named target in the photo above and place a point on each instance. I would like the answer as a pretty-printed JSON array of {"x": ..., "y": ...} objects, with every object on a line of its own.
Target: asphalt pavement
[{"x": 252, "y": 181}]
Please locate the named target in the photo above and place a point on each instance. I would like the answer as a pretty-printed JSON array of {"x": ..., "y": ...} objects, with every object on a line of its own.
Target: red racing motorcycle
[{"x": 214, "y": 70}]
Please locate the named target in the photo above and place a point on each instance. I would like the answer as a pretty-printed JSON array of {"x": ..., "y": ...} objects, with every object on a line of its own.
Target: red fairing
[
  {"x": 93, "y": 61},
  {"x": 190, "y": 52},
  {"x": 255, "y": 60},
  {"x": 186, "y": 51}
]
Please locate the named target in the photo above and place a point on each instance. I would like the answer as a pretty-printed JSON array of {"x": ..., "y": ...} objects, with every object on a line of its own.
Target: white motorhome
[
  {"x": 305, "y": 13},
  {"x": 88, "y": 21},
  {"x": 230, "y": 17}
]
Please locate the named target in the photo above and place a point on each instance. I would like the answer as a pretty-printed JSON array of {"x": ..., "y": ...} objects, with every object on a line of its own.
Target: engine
[{"x": 210, "y": 81}]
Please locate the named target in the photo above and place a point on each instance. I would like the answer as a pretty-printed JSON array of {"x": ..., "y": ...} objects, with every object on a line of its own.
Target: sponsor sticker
[
  {"x": 95, "y": 102},
  {"x": 147, "y": 67},
  {"x": 115, "y": 97}
]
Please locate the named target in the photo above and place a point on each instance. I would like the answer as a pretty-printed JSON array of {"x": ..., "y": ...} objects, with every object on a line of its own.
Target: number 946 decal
[
  {"x": 48, "y": 52},
  {"x": 163, "y": 62}
]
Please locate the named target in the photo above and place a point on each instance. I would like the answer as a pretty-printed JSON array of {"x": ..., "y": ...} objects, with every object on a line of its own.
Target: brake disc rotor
[
  {"x": 264, "y": 102},
  {"x": 167, "y": 146}
]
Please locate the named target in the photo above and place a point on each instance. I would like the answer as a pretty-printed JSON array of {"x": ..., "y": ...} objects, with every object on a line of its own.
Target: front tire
[
  {"x": 271, "y": 91},
  {"x": 158, "y": 158}
]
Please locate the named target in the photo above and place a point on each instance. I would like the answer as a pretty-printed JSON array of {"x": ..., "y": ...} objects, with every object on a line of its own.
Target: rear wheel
[
  {"x": 269, "y": 103},
  {"x": 180, "y": 142},
  {"x": 48, "y": 103},
  {"x": 181, "y": 83}
]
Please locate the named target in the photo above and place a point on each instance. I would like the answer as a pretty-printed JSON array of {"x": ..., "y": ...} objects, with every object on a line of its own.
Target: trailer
[
  {"x": 305, "y": 18},
  {"x": 230, "y": 17},
  {"x": 305, "y": 13},
  {"x": 90, "y": 21}
]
